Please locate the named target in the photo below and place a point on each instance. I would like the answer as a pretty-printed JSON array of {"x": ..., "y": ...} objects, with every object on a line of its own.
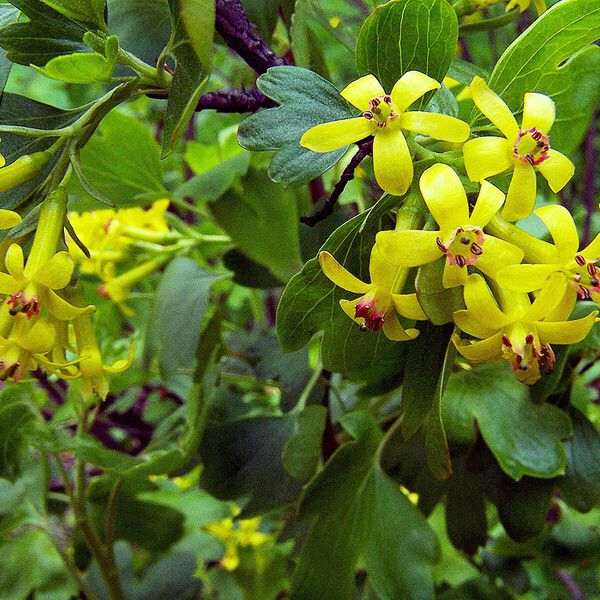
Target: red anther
[
  {"x": 440, "y": 245},
  {"x": 580, "y": 260},
  {"x": 576, "y": 277},
  {"x": 377, "y": 323},
  {"x": 529, "y": 339},
  {"x": 368, "y": 114},
  {"x": 592, "y": 269},
  {"x": 461, "y": 261},
  {"x": 373, "y": 102},
  {"x": 529, "y": 158},
  {"x": 506, "y": 341},
  {"x": 594, "y": 282},
  {"x": 387, "y": 99},
  {"x": 476, "y": 249},
  {"x": 584, "y": 293}
]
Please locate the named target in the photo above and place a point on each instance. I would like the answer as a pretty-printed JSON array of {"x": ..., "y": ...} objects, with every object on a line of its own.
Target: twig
[
  {"x": 570, "y": 584},
  {"x": 589, "y": 180},
  {"x": 234, "y": 101},
  {"x": 365, "y": 147},
  {"x": 232, "y": 24}
]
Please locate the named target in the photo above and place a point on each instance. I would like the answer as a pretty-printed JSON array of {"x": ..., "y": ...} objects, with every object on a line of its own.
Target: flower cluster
[{"x": 519, "y": 291}]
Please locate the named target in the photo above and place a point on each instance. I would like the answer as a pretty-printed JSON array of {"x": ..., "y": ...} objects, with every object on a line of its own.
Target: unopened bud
[{"x": 23, "y": 169}]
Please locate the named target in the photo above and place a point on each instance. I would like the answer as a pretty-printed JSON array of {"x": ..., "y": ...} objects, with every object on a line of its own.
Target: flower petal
[
  {"x": 15, "y": 261},
  {"x": 8, "y": 284},
  {"x": 393, "y": 330},
  {"x": 40, "y": 338},
  {"x": 487, "y": 156},
  {"x": 566, "y": 332},
  {"x": 392, "y": 161},
  {"x": 60, "y": 309},
  {"x": 562, "y": 228},
  {"x": 331, "y": 136},
  {"x": 56, "y": 273},
  {"x": 122, "y": 364},
  {"x": 341, "y": 276},
  {"x": 466, "y": 321},
  {"x": 9, "y": 218},
  {"x": 445, "y": 196},
  {"x": 454, "y": 276},
  {"x": 592, "y": 251},
  {"x": 548, "y": 297},
  {"x": 562, "y": 311},
  {"x": 480, "y": 301},
  {"x": 538, "y": 111},
  {"x": 486, "y": 350},
  {"x": 520, "y": 199},
  {"x": 488, "y": 203},
  {"x": 384, "y": 274},
  {"x": 349, "y": 307},
  {"x": 359, "y": 92},
  {"x": 525, "y": 278},
  {"x": 439, "y": 127},
  {"x": 409, "y": 248},
  {"x": 410, "y": 87},
  {"x": 408, "y": 306},
  {"x": 494, "y": 108},
  {"x": 498, "y": 254},
  {"x": 557, "y": 169}
]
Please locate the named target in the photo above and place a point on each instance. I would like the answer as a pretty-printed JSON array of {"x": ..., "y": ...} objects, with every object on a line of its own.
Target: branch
[
  {"x": 234, "y": 101},
  {"x": 232, "y": 23},
  {"x": 570, "y": 584},
  {"x": 365, "y": 147}
]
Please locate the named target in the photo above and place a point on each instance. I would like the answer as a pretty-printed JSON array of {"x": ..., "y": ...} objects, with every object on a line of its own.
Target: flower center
[
  {"x": 20, "y": 304},
  {"x": 584, "y": 276},
  {"x": 527, "y": 359},
  {"x": 463, "y": 246},
  {"x": 373, "y": 318},
  {"x": 531, "y": 146},
  {"x": 381, "y": 110}
]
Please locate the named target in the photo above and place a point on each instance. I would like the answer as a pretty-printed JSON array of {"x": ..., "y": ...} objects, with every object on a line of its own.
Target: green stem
[
  {"x": 536, "y": 251},
  {"x": 488, "y": 24}
]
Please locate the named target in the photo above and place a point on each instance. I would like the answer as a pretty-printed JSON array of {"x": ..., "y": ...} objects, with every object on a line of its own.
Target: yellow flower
[
  {"x": 24, "y": 347},
  {"x": 517, "y": 333},
  {"x": 30, "y": 286},
  {"x": 578, "y": 270},
  {"x": 376, "y": 308},
  {"x": 460, "y": 237},
  {"x": 523, "y": 149},
  {"x": 8, "y": 218},
  {"x": 385, "y": 117},
  {"x": 540, "y": 5}
]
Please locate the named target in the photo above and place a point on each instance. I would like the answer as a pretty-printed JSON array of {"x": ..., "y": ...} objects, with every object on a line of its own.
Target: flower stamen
[
  {"x": 381, "y": 110},
  {"x": 531, "y": 146},
  {"x": 20, "y": 304},
  {"x": 463, "y": 246}
]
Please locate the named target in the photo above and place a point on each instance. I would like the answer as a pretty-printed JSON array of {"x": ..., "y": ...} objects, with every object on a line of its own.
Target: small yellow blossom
[
  {"x": 460, "y": 236},
  {"x": 578, "y": 269},
  {"x": 386, "y": 117},
  {"x": 518, "y": 331},
  {"x": 523, "y": 149},
  {"x": 376, "y": 308}
]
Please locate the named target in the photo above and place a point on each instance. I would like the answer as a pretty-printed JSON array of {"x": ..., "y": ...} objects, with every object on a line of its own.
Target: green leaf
[
  {"x": 525, "y": 438},
  {"x": 464, "y": 71},
  {"x": 554, "y": 57},
  {"x": 306, "y": 100},
  {"x": 142, "y": 26},
  {"x": 87, "y": 11},
  {"x": 302, "y": 452},
  {"x": 580, "y": 487},
  {"x": 405, "y": 35},
  {"x": 122, "y": 161},
  {"x": 358, "y": 511},
  {"x": 263, "y": 14},
  {"x": 180, "y": 306},
  {"x": 46, "y": 35},
  {"x": 83, "y": 67},
  {"x": 242, "y": 461},
  {"x": 248, "y": 217},
  {"x": 15, "y": 420},
  {"x": 193, "y": 24},
  {"x": 310, "y": 304}
]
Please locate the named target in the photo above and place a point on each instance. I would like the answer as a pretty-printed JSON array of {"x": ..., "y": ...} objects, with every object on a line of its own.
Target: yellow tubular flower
[
  {"x": 21, "y": 170},
  {"x": 518, "y": 333},
  {"x": 578, "y": 270},
  {"x": 460, "y": 236},
  {"x": 386, "y": 117},
  {"x": 376, "y": 308},
  {"x": 523, "y": 149}
]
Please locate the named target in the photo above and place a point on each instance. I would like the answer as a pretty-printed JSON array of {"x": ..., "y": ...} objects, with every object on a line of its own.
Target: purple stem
[
  {"x": 570, "y": 584},
  {"x": 54, "y": 392},
  {"x": 234, "y": 101},
  {"x": 232, "y": 23},
  {"x": 589, "y": 180},
  {"x": 365, "y": 147}
]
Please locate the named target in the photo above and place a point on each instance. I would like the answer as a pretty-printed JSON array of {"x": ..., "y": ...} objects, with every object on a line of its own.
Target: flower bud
[{"x": 23, "y": 169}]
